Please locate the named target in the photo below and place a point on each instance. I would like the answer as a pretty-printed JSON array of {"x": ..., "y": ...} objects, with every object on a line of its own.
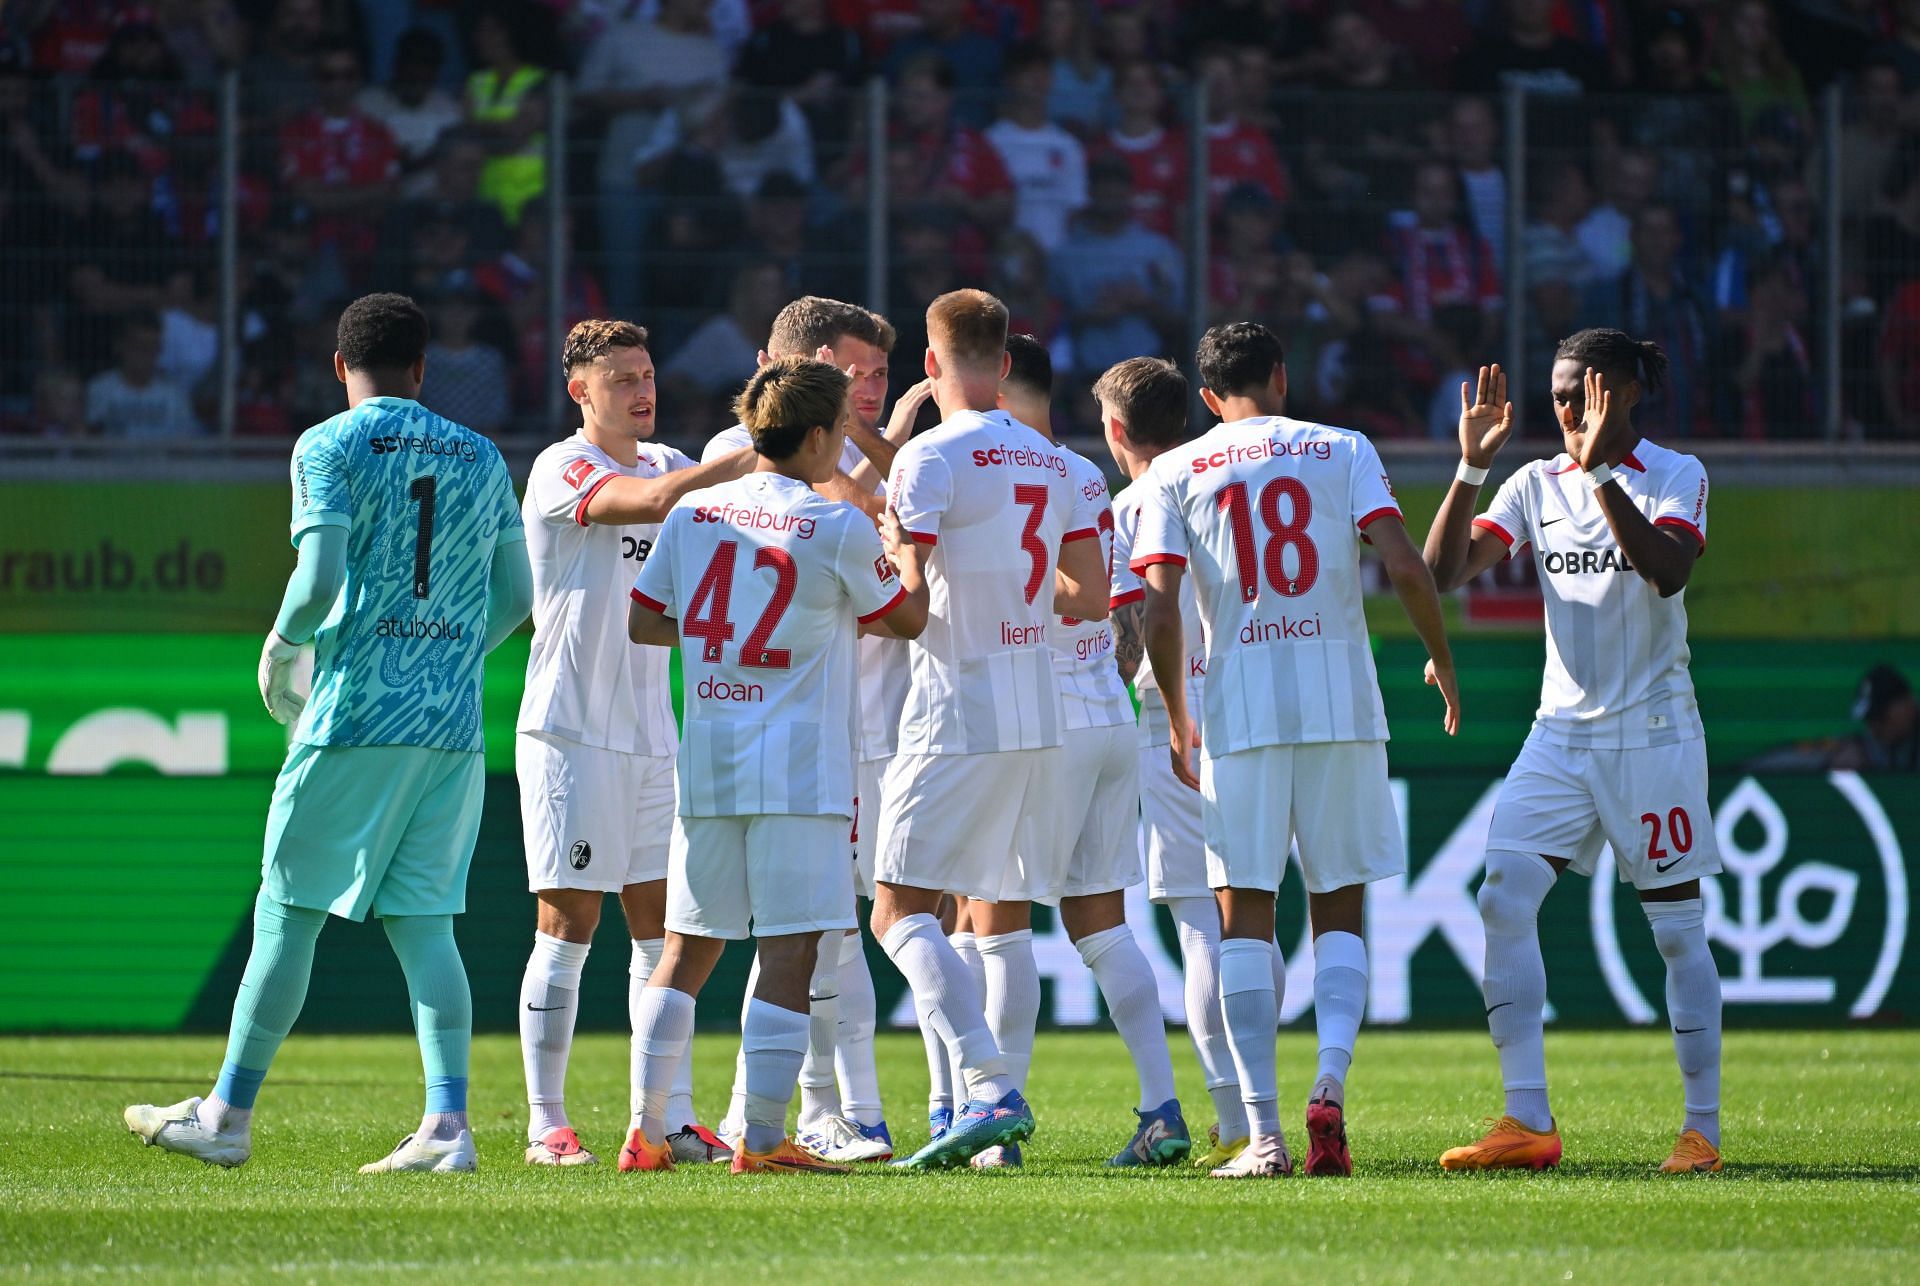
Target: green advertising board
[
  {"x": 1783, "y": 562},
  {"x": 130, "y": 904}
]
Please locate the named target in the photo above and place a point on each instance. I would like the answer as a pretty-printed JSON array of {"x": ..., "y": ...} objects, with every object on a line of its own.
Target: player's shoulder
[
  {"x": 1087, "y": 475},
  {"x": 1128, "y": 498},
  {"x": 1662, "y": 463},
  {"x": 662, "y": 458},
  {"x": 736, "y": 438},
  {"x": 556, "y": 457},
  {"x": 334, "y": 431}
]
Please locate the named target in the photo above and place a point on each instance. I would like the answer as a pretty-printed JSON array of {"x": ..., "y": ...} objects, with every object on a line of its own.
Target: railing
[{"x": 1393, "y": 240}]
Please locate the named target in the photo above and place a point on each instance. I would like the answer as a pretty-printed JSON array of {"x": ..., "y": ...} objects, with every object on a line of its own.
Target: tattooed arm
[{"x": 1128, "y": 622}]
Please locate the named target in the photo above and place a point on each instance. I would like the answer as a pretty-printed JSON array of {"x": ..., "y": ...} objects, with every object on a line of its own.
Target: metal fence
[{"x": 177, "y": 255}]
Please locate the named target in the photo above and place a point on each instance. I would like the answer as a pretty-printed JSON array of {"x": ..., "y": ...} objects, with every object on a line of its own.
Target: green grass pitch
[{"x": 1822, "y": 1182}]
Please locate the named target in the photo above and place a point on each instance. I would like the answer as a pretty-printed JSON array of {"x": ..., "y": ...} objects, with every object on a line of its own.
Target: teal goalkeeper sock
[
  {"x": 272, "y": 991},
  {"x": 442, "y": 1004}
]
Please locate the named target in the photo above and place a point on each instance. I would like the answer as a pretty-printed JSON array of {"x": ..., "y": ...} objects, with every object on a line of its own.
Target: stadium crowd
[{"x": 717, "y": 167}]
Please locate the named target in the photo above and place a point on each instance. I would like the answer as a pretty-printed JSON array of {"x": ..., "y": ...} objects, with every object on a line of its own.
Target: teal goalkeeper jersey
[{"x": 424, "y": 501}]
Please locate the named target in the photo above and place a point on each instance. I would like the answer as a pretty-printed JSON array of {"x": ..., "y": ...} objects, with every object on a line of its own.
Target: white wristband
[
  {"x": 1598, "y": 476},
  {"x": 1472, "y": 475}
]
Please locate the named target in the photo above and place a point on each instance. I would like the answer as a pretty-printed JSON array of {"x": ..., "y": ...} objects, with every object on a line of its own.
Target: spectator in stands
[
  {"x": 137, "y": 102},
  {"x": 1081, "y": 96},
  {"x": 815, "y": 62},
  {"x": 1749, "y": 63},
  {"x": 1047, "y": 165},
  {"x": 1353, "y": 56},
  {"x": 1248, "y": 271},
  {"x": 1685, "y": 120},
  {"x": 1155, "y": 156},
  {"x": 1553, "y": 313},
  {"x": 190, "y": 330},
  {"x": 694, "y": 239},
  {"x": 1123, "y": 287},
  {"x": 634, "y": 71},
  {"x": 1889, "y": 741},
  {"x": 1794, "y": 249},
  {"x": 1431, "y": 35},
  {"x": 1022, "y": 280},
  {"x": 71, "y": 35},
  {"x": 517, "y": 283},
  {"x": 1525, "y": 50},
  {"x": 1890, "y": 244},
  {"x": 466, "y": 379},
  {"x": 340, "y": 162},
  {"x": 1653, "y": 300},
  {"x": 1238, "y": 151},
  {"x": 1903, "y": 51},
  {"x": 1777, "y": 391},
  {"x": 415, "y": 110},
  {"x": 58, "y": 409},
  {"x": 721, "y": 355},
  {"x": 1870, "y": 141},
  {"x": 1441, "y": 263},
  {"x": 507, "y": 107},
  {"x": 1123, "y": 34},
  {"x": 947, "y": 33},
  {"x": 122, "y": 259},
  {"x": 749, "y": 134},
  {"x": 1472, "y": 143},
  {"x": 1899, "y": 363},
  {"x": 1606, "y": 234},
  {"x": 133, "y": 399},
  {"x": 280, "y": 71},
  {"x": 384, "y": 25},
  {"x": 1553, "y": 246},
  {"x": 39, "y": 197},
  {"x": 946, "y": 163},
  {"x": 449, "y": 192}
]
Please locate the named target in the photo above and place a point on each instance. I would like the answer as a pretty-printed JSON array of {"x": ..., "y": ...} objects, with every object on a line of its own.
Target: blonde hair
[
  {"x": 595, "y": 338},
  {"x": 788, "y": 398},
  {"x": 969, "y": 329}
]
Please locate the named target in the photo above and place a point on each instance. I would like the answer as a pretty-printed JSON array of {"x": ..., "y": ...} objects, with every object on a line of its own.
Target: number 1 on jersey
[{"x": 422, "y": 491}]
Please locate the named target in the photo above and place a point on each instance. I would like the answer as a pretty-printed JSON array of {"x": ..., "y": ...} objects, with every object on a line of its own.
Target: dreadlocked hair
[{"x": 1616, "y": 353}]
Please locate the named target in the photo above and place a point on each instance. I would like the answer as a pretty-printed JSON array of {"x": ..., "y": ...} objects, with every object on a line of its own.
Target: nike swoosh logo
[
  {"x": 1548, "y": 522},
  {"x": 1502, "y": 1005},
  {"x": 1661, "y": 868},
  {"x": 545, "y": 1009},
  {"x": 1687, "y": 1031}
]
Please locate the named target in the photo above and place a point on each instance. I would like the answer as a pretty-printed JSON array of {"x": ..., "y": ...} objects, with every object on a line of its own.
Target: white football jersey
[
  {"x": 993, "y": 501},
  {"x": 1091, "y": 693},
  {"x": 586, "y": 680},
  {"x": 1128, "y": 587},
  {"x": 1266, "y": 515},
  {"x": 1616, "y": 675},
  {"x": 883, "y": 661},
  {"x": 768, "y": 580}
]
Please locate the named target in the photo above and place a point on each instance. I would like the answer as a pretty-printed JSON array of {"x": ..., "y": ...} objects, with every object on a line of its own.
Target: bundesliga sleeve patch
[
  {"x": 578, "y": 472},
  {"x": 883, "y": 569}
]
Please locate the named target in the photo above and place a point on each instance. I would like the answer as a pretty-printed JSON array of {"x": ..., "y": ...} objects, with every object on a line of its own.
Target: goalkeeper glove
[{"x": 276, "y": 678}]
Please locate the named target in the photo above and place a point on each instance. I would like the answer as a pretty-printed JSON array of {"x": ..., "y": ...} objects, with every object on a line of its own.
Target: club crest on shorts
[{"x": 580, "y": 854}]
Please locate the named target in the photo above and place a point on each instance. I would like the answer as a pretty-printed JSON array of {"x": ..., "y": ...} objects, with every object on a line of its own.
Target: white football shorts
[
  {"x": 866, "y": 821},
  {"x": 759, "y": 876},
  {"x": 1330, "y": 796},
  {"x": 1649, "y": 804},
  {"x": 951, "y": 822},
  {"x": 592, "y": 818},
  {"x": 1097, "y": 803},
  {"x": 1173, "y": 837}
]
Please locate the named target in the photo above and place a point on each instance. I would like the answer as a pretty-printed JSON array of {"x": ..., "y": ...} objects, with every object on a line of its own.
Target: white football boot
[
  {"x": 839, "y": 1140},
  {"x": 437, "y": 1156},
  {"x": 178, "y": 1129}
]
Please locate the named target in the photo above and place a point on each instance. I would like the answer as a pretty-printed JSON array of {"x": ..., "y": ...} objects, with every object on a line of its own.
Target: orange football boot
[
  {"x": 787, "y": 1158},
  {"x": 638, "y": 1154},
  {"x": 1509, "y": 1145},
  {"x": 1692, "y": 1154}
]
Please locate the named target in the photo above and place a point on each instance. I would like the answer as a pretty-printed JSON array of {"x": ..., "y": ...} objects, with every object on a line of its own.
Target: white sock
[
  {"x": 442, "y": 1127},
  {"x": 1252, "y": 1008},
  {"x": 734, "y": 1123},
  {"x": 222, "y": 1117},
  {"x": 853, "y": 1053},
  {"x": 967, "y": 946},
  {"x": 662, "y": 1027},
  {"x": 1013, "y": 997},
  {"x": 1693, "y": 1007},
  {"x": 646, "y": 958},
  {"x": 549, "y": 1004},
  {"x": 1516, "y": 981},
  {"x": 939, "y": 1058},
  {"x": 775, "y": 1041},
  {"x": 922, "y": 954},
  {"x": 819, "y": 1091},
  {"x": 1339, "y": 1002},
  {"x": 1198, "y": 920},
  {"x": 1133, "y": 1002}
]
